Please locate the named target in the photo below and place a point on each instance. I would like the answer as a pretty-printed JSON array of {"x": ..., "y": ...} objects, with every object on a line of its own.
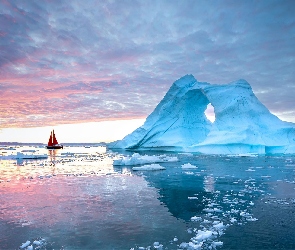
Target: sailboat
[{"x": 52, "y": 142}]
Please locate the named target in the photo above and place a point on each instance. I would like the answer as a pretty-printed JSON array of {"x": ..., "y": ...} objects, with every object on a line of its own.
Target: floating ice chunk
[
  {"x": 183, "y": 245},
  {"x": 210, "y": 210},
  {"x": 30, "y": 247},
  {"x": 217, "y": 243},
  {"x": 195, "y": 218},
  {"x": 251, "y": 203},
  {"x": 245, "y": 214},
  {"x": 149, "y": 167},
  {"x": 195, "y": 246},
  {"x": 137, "y": 159},
  {"x": 219, "y": 226},
  {"x": 232, "y": 220},
  {"x": 27, "y": 243},
  {"x": 203, "y": 235},
  {"x": 250, "y": 170},
  {"x": 37, "y": 242},
  {"x": 206, "y": 221},
  {"x": 157, "y": 245},
  {"x": 188, "y": 166},
  {"x": 192, "y": 198},
  {"x": 175, "y": 239},
  {"x": 251, "y": 219}
]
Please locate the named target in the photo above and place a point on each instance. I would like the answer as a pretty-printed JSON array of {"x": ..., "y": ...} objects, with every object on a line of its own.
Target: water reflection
[
  {"x": 80, "y": 201},
  {"x": 209, "y": 182},
  {"x": 77, "y": 199}
]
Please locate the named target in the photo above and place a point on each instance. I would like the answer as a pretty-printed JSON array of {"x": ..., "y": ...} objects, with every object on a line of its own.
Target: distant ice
[{"x": 21, "y": 155}]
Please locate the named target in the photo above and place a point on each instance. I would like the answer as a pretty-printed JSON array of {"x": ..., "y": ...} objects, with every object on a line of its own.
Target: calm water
[{"x": 77, "y": 199}]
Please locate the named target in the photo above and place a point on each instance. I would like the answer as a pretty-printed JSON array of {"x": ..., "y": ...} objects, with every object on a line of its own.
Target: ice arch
[
  {"x": 209, "y": 112},
  {"x": 242, "y": 123}
]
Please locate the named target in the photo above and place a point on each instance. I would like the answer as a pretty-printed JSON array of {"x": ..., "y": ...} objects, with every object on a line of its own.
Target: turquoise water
[{"x": 77, "y": 199}]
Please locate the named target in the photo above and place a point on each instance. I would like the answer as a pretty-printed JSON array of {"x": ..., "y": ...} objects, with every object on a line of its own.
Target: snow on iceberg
[
  {"x": 137, "y": 159},
  {"x": 150, "y": 167},
  {"x": 243, "y": 125}
]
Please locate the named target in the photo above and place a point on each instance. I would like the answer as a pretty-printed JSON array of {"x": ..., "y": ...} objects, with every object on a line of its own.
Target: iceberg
[{"x": 243, "y": 125}]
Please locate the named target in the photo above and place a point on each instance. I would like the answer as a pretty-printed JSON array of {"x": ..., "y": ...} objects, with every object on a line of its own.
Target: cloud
[{"x": 117, "y": 59}]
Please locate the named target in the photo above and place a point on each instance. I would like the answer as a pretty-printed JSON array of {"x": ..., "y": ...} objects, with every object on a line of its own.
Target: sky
[{"x": 78, "y": 65}]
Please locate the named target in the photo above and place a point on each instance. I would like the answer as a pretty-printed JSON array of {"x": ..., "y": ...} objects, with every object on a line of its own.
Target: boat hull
[{"x": 55, "y": 147}]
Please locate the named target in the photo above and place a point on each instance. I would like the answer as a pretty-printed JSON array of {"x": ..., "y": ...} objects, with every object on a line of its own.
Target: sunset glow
[{"x": 65, "y": 63}]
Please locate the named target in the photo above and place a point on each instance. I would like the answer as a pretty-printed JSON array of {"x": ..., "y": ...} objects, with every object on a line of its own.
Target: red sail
[
  {"x": 54, "y": 138},
  {"x": 50, "y": 140}
]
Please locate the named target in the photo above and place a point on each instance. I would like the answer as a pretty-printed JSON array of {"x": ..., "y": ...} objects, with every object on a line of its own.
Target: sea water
[{"x": 78, "y": 199}]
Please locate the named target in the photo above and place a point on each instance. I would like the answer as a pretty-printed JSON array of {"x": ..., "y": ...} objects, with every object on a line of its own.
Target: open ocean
[{"x": 75, "y": 198}]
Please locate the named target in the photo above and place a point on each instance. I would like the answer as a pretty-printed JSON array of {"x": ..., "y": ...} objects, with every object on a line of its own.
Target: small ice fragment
[
  {"x": 197, "y": 246},
  {"x": 25, "y": 244},
  {"x": 232, "y": 220},
  {"x": 203, "y": 235},
  {"x": 251, "y": 203},
  {"x": 206, "y": 221},
  {"x": 219, "y": 226},
  {"x": 30, "y": 247},
  {"x": 157, "y": 245},
  {"x": 141, "y": 248},
  {"x": 250, "y": 170},
  {"x": 37, "y": 242},
  {"x": 183, "y": 245},
  {"x": 251, "y": 219},
  {"x": 217, "y": 243},
  {"x": 175, "y": 239},
  {"x": 195, "y": 218},
  {"x": 188, "y": 166}
]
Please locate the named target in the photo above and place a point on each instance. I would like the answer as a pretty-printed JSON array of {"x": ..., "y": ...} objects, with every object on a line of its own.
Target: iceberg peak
[{"x": 242, "y": 123}]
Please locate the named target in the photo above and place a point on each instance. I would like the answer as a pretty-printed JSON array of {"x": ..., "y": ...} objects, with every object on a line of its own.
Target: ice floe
[
  {"x": 24, "y": 155},
  {"x": 149, "y": 167},
  {"x": 188, "y": 166},
  {"x": 36, "y": 244},
  {"x": 137, "y": 159}
]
